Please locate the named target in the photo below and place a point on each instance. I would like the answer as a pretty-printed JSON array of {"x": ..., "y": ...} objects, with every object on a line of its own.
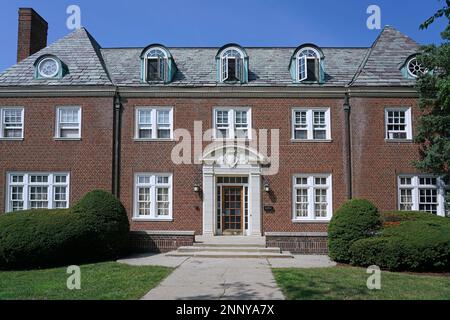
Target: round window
[
  {"x": 48, "y": 68},
  {"x": 415, "y": 69}
]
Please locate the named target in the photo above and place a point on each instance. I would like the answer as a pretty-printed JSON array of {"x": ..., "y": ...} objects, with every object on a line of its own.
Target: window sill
[
  {"x": 399, "y": 140},
  {"x": 310, "y": 221},
  {"x": 153, "y": 140},
  {"x": 152, "y": 219},
  {"x": 11, "y": 139},
  {"x": 66, "y": 139},
  {"x": 311, "y": 141}
]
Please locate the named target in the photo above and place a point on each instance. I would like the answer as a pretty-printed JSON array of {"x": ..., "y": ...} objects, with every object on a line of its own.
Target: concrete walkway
[{"x": 217, "y": 279}]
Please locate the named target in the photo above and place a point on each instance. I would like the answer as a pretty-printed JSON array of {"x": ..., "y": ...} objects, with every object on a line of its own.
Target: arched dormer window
[
  {"x": 157, "y": 64},
  {"x": 49, "y": 67},
  {"x": 307, "y": 64},
  {"x": 412, "y": 68},
  {"x": 232, "y": 63}
]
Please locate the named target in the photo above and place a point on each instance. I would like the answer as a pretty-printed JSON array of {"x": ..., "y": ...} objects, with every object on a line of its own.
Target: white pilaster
[
  {"x": 255, "y": 203},
  {"x": 208, "y": 201}
]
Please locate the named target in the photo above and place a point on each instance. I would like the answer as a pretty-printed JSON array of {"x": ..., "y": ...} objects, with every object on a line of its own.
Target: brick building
[{"x": 75, "y": 116}]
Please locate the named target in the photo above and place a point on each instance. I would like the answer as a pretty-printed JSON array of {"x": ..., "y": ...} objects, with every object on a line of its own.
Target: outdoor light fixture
[
  {"x": 196, "y": 188},
  {"x": 266, "y": 187}
]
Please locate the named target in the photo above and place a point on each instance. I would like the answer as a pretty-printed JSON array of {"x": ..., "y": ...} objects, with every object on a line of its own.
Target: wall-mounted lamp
[
  {"x": 267, "y": 187},
  {"x": 197, "y": 188}
]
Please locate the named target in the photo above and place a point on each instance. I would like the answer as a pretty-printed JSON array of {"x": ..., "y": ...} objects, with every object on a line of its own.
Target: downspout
[
  {"x": 348, "y": 147},
  {"x": 116, "y": 145}
]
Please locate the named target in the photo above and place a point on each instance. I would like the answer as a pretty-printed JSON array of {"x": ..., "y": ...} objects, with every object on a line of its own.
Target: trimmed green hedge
[
  {"x": 354, "y": 220},
  {"x": 414, "y": 241},
  {"x": 95, "y": 229}
]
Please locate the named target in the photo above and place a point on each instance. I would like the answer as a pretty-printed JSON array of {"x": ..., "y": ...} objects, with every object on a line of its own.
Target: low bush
[
  {"x": 354, "y": 220},
  {"x": 419, "y": 242},
  {"x": 95, "y": 229}
]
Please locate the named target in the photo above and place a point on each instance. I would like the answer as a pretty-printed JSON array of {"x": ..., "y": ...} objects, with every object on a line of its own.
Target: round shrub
[
  {"x": 95, "y": 229},
  {"x": 420, "y": 242},
  {"x": 354, "y": 220}
]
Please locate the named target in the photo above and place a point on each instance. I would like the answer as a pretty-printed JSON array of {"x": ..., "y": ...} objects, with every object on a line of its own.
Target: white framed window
[
  {"x": 154, "y": 123},
  {"x": 308, "y": 65},
  {"x": 68, "y": 123},
  {"x": 421, "y": 193},
  {"x": 232, "y": 65},
  {"x": 311, "y": 124},
  {"x": 37, "y": 191},
  {"x": 232, "y": 123},
  {"x": 398, "y": 123},
  {"x": 153, "y": 196},
  {"x": 312, "y": 197},
  {"x": 11, "y": 123},
  {"x": 156, "y": 65}
]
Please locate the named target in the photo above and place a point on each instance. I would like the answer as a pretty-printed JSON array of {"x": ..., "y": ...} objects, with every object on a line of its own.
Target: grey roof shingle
[
  {"x": 385, "y": 58},
  {"x": 89, "y": 64},
  {"x": 267, "y": 66},
  {"x": 78, "y": 50}
]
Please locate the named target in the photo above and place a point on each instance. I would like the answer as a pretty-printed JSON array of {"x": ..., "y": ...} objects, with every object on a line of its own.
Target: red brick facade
[{"x": 376, "y": 162}]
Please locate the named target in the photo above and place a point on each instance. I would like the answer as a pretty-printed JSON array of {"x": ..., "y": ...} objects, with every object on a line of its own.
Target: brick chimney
[{"x": 32, "y": 35}]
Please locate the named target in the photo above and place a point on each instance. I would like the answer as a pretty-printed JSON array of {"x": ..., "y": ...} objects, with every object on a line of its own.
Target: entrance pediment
[{"x": 233, "y": 156}]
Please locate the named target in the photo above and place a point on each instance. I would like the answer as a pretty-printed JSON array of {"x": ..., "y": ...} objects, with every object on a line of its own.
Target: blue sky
[{"x": 137, "y": 23}]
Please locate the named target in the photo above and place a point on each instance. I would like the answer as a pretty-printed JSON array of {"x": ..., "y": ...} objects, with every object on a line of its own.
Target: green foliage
[
  {"x": 95, "y": 229},
  {"x": 441, "y": 12},
  {"x": 415, "y": 241},
  {"x": 354, "y": 220},
  {"x": 434, "y": 89}
]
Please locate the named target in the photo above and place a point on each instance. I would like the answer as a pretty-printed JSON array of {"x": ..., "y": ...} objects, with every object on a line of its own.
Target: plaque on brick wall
[{"x": 269, "y": 209}]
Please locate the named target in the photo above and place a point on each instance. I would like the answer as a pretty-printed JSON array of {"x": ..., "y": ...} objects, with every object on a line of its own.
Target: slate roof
[
  {"x": 78, "y": 50},
  {"x": 89, "y": 64}
]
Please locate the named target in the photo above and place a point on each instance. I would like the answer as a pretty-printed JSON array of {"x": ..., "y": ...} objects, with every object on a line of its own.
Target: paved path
[{"x": 216, "y": 279}]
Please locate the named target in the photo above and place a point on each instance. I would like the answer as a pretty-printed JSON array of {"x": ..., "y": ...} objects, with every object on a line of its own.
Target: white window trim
[
  {"x": 154, "y": 123},
  {"x": 152, "y": 185},
  {"x": 232, "y": 122},
  {"x": 58, "y": 123},
  {"x": 415, "y": 186},
  {"x": 310, "y": 123},
  {"x": 311, "y": 186},
  {"x": 305, "y": 58},
  {"x": 26, "y": 184},
  {"x": 2, "y": 110},
  {"x": 224, "y": 60},
  {"x": 408, "y": 119}
]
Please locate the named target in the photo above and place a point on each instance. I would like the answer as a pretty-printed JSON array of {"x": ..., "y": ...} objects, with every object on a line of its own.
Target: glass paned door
[{"x": 232, "y": 202}]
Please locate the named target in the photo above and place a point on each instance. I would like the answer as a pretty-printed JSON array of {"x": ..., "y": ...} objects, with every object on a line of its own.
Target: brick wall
[
  {"x": 88, "y": 160},
  {"x": 299, "y": 242},
  {"x": 163, "y": 241},
  {"x": 32, "y": 33}
]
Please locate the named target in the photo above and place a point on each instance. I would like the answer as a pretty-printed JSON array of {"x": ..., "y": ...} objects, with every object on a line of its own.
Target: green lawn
[
  {"x": 105, "y": 281},
  {"x": 345, "y": 283}
]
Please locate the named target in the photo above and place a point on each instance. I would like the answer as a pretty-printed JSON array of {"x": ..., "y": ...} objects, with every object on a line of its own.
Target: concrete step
[
  {"x": 215, "y": 254},
  {"x": 229, "y": 245},
  {"x": 223, "y": 248}
]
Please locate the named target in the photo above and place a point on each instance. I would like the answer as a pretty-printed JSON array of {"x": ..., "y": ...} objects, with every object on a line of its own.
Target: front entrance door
[{"x": 232, "y": 210}]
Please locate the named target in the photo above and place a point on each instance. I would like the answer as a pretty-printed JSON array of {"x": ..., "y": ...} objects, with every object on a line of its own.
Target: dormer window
[
  {"x": 49, "y": 67},
  {"x": 232, "y": 64},
  {"x": 156, "y": 65},
  {"x": 414, "y": 68},
  {"x": 308, "y": 65}
]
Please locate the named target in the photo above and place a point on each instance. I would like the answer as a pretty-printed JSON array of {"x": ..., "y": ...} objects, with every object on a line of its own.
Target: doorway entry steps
[{"x": 230, "y": 247}]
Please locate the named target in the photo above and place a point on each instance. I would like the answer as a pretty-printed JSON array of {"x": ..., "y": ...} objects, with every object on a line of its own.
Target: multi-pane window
[
  {"x": 398, "y": 123},
  {"x": 311, "y": 124},
  {"x": 68, "y": 122},
  {"x": 422, "y": 193},
  {"x": 232, "y": 123},
  {"x": 156, "y": 65},
  {"x": 154, "y": 123},
  {"x": 312, "y": 197},
  {"x": 153, "y": 196},
  {"x": 232, "y": 65},
  {"x": 308, "y": 65},
  {"x": 37, "y": 191},
  {"x": 11, "y": 123}
]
